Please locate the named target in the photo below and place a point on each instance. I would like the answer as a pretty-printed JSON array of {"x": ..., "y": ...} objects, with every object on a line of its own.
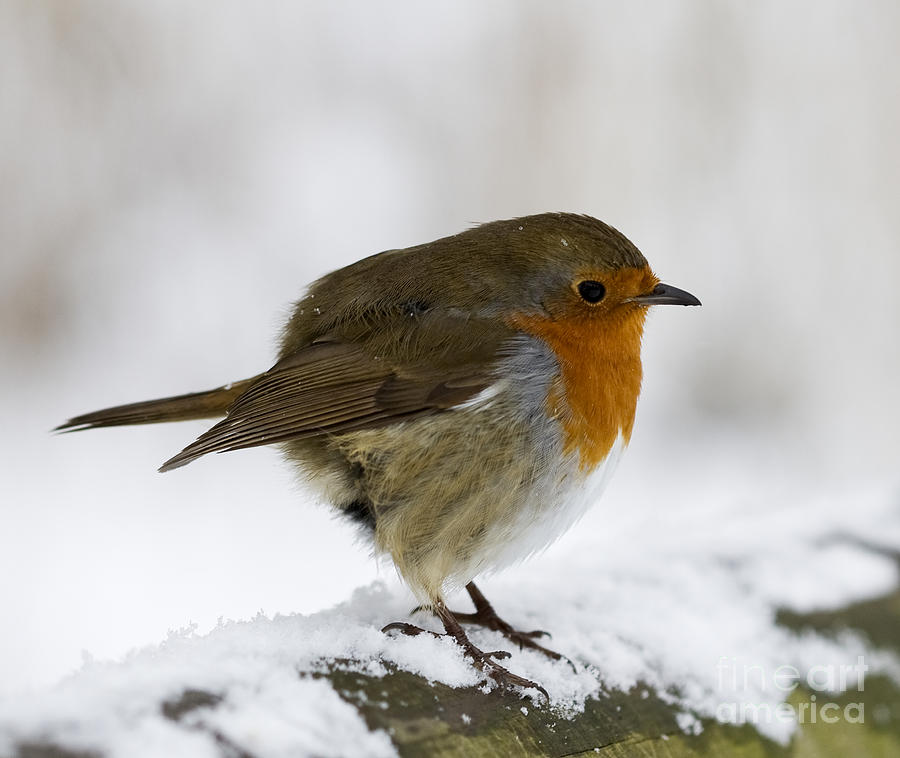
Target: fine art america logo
[{"x": 810, "y": 707}]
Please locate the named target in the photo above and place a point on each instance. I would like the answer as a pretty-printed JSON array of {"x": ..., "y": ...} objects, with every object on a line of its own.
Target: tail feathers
[{"x": 197, "y": 405}]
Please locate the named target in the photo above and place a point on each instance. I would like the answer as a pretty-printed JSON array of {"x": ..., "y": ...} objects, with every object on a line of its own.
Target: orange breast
[{"x": 596, "y": 392}]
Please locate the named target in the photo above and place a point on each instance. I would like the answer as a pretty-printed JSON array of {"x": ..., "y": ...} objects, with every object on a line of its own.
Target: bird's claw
[
  {"x": 507, "y": 679},
  {"x": 482, "y": 660},
  {"x": 411, "y": 630}
]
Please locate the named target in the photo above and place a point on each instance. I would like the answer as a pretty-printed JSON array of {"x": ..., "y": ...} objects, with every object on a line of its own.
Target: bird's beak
[{"x": 666, "y": 294}]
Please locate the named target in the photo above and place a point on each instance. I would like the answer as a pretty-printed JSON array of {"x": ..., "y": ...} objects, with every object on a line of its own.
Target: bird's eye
[{"x": 591, "y": 291}]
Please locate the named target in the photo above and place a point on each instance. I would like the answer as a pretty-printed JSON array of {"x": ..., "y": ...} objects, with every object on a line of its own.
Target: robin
[{"x": 463, "y": 401}]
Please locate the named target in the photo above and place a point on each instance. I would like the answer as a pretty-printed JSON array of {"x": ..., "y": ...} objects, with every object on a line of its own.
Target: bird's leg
[
  {"x": 482, "y": 660},
  {"x": 485, "y": 615}
]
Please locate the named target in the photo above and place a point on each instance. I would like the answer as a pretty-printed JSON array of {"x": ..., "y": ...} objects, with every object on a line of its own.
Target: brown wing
[{"x": 330, "y": 388}]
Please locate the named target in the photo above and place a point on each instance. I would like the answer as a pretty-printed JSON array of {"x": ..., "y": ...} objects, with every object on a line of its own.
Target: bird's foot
[
  {"x": 485, "y": 662},
  {"x": 411, "y": 630},
  {"x": 491, "y": 620},
  {"x": 486, "y": 616},
  {"x": 502, "y": 676}
]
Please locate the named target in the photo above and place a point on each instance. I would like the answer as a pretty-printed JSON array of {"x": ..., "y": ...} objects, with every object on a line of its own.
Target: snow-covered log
[{"x": 332, "y": 685}]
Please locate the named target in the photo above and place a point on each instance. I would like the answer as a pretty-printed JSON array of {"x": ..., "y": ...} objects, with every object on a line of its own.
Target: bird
[{"x": 463, "y": 401}]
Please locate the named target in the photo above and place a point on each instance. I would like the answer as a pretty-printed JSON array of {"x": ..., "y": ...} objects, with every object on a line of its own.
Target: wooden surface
[{"x": 425, "y": 719}]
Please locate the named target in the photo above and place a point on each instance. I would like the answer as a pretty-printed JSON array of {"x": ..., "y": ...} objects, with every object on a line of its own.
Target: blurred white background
[{"x": 173, "y": 173}]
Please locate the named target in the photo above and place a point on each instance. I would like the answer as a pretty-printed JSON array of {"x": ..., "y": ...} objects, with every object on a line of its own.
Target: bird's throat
[{"x": 595, "y": 394}]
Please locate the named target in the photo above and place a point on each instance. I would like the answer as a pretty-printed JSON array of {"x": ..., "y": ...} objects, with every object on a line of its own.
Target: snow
[{"x": 689, "y": 614}]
